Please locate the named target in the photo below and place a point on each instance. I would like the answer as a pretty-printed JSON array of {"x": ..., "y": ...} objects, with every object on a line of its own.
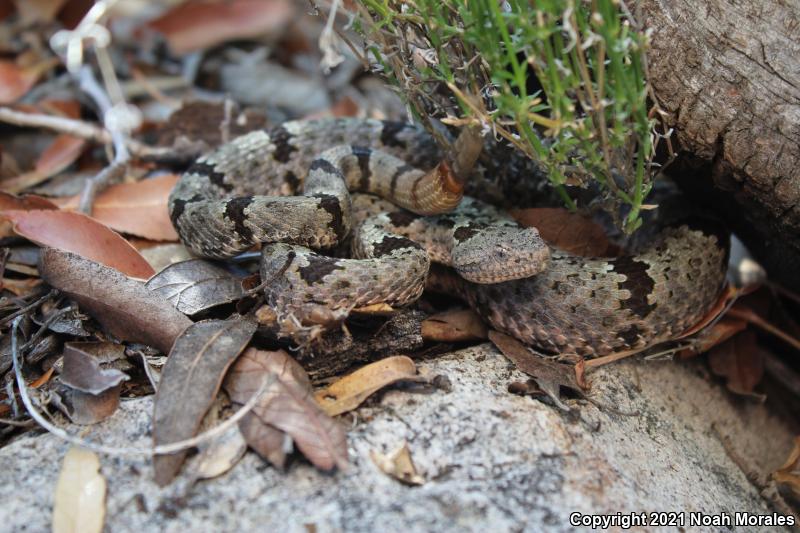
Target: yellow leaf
[
  {"x": 348, "y": 393},
  {"x": 80, "y": 494}
]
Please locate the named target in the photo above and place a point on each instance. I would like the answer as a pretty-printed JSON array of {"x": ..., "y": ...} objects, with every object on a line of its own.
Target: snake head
[{"x": 494, "y": 254}]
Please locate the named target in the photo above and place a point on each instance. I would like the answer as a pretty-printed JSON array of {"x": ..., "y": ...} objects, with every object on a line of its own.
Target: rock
[{"x": 491, "y": 460}]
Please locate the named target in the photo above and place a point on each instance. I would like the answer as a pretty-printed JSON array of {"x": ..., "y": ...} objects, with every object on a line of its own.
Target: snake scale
[{"x": 288, "y": 189}]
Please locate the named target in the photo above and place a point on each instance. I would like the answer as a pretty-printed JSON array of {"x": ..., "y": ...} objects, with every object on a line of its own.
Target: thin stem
[
  {"x": 79, "y": 128},
  {"x": 123, "y": 450}
]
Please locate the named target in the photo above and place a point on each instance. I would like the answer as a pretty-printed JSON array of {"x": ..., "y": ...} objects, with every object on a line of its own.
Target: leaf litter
[
  {"x": 123, "y": 306},
  {"x": 190, "y": 381},
  {"x": 350, "y": 391},
  {"x": 196, "y": 285},
  {"x": 288, "y": 405}
]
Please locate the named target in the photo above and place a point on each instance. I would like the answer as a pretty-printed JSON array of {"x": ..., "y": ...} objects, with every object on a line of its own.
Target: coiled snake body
[{"x": 288, "y": 189}]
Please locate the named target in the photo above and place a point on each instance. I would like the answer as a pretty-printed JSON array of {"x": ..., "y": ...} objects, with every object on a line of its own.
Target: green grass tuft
[{"x": 586, "y": 120}]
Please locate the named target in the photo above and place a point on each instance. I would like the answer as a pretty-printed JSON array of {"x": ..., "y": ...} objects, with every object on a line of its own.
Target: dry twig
[
  {"x": 82, "y": 129},
  {"x": 118, "y": 451}
]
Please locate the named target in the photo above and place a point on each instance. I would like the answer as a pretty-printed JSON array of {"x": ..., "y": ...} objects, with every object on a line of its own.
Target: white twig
[
  {"x": 120, "y": 451},
  {"x": 327, "y": 41},
  {"x": 77, "y": 128},
  {"x": 119, "y": 137},
  {"x": 89, "y": 85}
]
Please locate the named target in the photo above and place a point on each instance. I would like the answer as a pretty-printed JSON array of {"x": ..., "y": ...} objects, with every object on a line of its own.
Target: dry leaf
[
  {"x": 399, "y": 465},
  {"x": 197, "y": 25},
  {"x": 16, "y": 80},
  {"x": 82, "y": 235},
  {"x": 196, "y": 285},
  {"x": 61, "y": 153},
  {"x": 190, "y": 381},
  {"x": 72, "y": 13},
  {"x": 723, "y": 330},
  {"x": 526, "y": 388},
  {"x": 269, "y": 442},
  {"x": 720, "y": 305},
  {"x": 740, "y": 361},
  {"x": 6, "y": 9},
  {"x": 161, "y": 256},
  {"x": 26, "y": 202},
  {"x": 454, "y": 326},
  {"x": 19, "y": 287},
  {"x": 124, "y": 307},
  {"x": 753, "y": 316},
  {"x": 349, "y": 392},
  {"x": 288, "y": 405},
  {"x": 789, "y": 474},
  {"x": 137, "y": 208},
  {"x": 547, "y": 373},
  {"x": 567, "y": 231},
  {"x": 84, "y": 408},
  {"x": 80, "y": 505},
  {"x": 31, "y": 11},
  {"x": 218, "y": 455},
  {"x": 82, "y": 369}
]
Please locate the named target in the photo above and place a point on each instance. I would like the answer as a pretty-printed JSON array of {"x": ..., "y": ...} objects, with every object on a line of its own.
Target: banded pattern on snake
[{"x": 247, "y": 192}]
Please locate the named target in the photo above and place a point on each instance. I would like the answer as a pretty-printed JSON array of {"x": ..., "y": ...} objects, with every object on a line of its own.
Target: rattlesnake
[{"x": 288, "y": 188}]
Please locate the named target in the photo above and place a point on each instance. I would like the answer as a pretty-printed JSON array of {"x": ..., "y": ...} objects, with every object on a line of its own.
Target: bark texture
[{"x": 727, "y": 72}]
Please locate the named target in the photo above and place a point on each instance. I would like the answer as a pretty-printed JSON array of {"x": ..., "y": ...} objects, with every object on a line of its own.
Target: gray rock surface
[{"x": 492, "y": 460}]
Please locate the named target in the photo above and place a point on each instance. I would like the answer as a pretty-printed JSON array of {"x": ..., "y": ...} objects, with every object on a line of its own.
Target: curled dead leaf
[
  {"x": 375, "y": 309},
  {"x": 269, "y": 442},
  {"x": 190, "y": 381},
  {"x": 84, "y": 408},
  {"x": 161, "y": 256},
  {"x": 124, "y": 307},
  {"x": 549, "y": 375},
  {"x": 349, "y": 392},
  {"x": 82, "y": 369},
  {"x": 26, "y": 202},
  {"x": 82, "y": 235},
  {"x": 288, "y": 405},
  {"x": 718, "y": 333}
]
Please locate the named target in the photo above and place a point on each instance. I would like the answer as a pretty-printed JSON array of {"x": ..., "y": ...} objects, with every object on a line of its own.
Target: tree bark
[{"x": 727, "y": 73}]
